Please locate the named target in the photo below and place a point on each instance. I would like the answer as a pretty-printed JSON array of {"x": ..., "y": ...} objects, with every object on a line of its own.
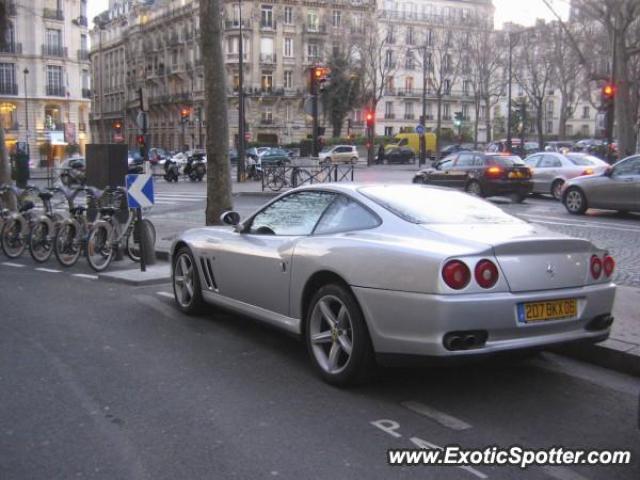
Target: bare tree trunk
[
  {"x": 562, "y": 129},
  {"x": 487, "y": 116},
  {"x": 438, "y": 125},
  {"x": 625, "y": 119},
  {"x": 539, "y": 124},
  {"x": 215, "y": 100},
  {"x": 5, "y": 172},
  {"x": 476, "y": 121}
]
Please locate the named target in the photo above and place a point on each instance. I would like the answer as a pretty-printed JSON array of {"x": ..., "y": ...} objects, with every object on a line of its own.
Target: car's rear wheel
[
  {"x": 354, "y": 160},
  {"x": 337, "y": 337},
  {"x": 474, "y": 188},
  {"x": 556, "y": 189},
  {"x": 575, "y": 201},
  {"x": 186, "y": 283}
]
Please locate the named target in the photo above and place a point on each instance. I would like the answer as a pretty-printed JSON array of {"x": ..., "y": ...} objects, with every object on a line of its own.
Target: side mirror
[{"x": 230, "y": 218}]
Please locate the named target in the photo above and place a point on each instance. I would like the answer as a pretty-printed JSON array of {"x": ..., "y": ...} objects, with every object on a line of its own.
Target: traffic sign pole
[{"x": 140, "y": 226}]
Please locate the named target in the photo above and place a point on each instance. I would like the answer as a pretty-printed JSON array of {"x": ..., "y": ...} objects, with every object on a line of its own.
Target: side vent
[{"x": 207, "y": 273}]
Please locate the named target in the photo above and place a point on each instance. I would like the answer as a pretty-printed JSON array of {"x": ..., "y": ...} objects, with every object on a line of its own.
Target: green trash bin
[{"x": 21, "y": 169}]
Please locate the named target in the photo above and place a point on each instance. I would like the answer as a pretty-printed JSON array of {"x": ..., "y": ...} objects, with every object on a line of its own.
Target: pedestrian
[{"x": 381, "y": 154}]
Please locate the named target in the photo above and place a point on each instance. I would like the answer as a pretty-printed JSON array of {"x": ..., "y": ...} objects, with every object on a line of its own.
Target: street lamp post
[
  {"x": 241, "y": 154},
  {"x": 26, "y": 106},
  {"x": 423, "y": 117},
  {"x": 509, "y": 142}
]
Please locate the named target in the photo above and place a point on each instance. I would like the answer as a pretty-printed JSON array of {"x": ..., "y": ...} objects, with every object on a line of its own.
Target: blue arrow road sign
[
  {"x": 140, "y": 191},
  {"x": 420, "y": 129}
]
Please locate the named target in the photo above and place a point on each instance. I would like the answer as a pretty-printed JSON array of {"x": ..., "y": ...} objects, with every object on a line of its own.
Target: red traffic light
[
  {"x": 140, "y": 139},
  {"x": 369, "y": 117},
  {"x": 609, "y": 90},
  {"x": 185, "y": 112},
  {"x": 117, "y": 125}
]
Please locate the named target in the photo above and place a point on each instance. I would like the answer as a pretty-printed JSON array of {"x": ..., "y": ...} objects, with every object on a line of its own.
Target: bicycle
[
  {"x": 43, "y": 229},
  {"x": 108, "y": 235},
  {"x": 70, "y": 239},
  {"x": 276, "y": 177},
  {"x": 16, "y": 225}
]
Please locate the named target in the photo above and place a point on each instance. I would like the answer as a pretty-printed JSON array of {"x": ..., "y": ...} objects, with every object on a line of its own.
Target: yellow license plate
[
  {"x": 516, "y": 175},
  {"x": 545, "y": 311}
]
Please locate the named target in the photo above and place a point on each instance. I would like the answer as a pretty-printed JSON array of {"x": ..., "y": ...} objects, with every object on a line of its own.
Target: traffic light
[
  {"x": 142, "y": 145},
  {"x": 608, "y": 95},
  {"x": 369, "y": 117},
  {"x": 117, "y": 127},
  {"x": 185, "y": 112},
  {"x": 458, "y": 118},
  {"x": 320, "y": 77}
]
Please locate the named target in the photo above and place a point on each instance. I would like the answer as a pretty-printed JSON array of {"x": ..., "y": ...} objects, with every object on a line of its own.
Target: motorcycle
[
  {"x": 73, "y": 174},
  {"x": 171, "y": 170},
  {"x": 196, "y": 168}
]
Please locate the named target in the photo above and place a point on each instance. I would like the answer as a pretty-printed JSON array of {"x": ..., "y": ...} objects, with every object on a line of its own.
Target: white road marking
[
  {"x": 562, "y": 473},
  {"x": 86, "y": 275},
  {"x": 387, "y": 426},
  {"x": 165, "y": 294},
  {"x": 48, "y": 270},
  {"x": 9, "y": 264},
  {"x": 442, "y": 418},
  {"x": 182, "y": 194},
  {"x": 162, "y": 202},
  {"x": 179, "y": 199}
]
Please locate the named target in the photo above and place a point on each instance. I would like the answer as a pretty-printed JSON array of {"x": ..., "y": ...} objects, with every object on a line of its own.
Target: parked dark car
[
  {"x": 448, "y": 150},
  {"x": 481, "y": 174},
  {"x": 400, "y": 155},
  {"x": 274, "y": 156}
]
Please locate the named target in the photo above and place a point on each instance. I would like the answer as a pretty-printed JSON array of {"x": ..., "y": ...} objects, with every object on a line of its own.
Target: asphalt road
[{"x": 99, "y": 380}]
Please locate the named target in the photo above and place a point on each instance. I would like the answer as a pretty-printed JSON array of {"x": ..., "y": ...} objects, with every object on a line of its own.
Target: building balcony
[
  {"x": 409, "y": 116},
  {"x": 235, "y": 57},
  {"x": 389, "y": 116},
  {"x": 408, "y": 92},
  {"x": 53, "y": 14},
  {"x": 235, "y": 24},
  {"x": 83, "y": 55},
  {"x": 86, "y": 93},
  {"x": 8, "y": 89},
  {"x": 312, "y": 60},
  {"x": 56, "y": 91},
  {"x": 268, "y": 26},
  {"x": 319, "y": 29},
  {"x": 268, "y": 58},
  {"x": 289, "y": 60},
  {"x": 389, "y": 91},
  {"x": 11, "y": 47},
  {"x": 266, "y": 121},
  {"x": 54, "y": 51}
]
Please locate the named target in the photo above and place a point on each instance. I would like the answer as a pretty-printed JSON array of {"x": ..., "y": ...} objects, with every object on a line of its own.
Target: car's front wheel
[
  {"x": 186, "y": 284},
  {"x": 337, "y": 337},
  {"x": 556, "y": 189},
  {"x": 575, "y": 201},
  {"x": 474, "y": 188}
]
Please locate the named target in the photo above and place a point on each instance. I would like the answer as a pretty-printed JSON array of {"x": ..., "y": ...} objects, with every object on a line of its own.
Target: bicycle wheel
[
  {"x": 40, "y": 242},
  {"x": 67, "y": 244},
  {"x": 99, "y": 247},
  {"x": 303, "y": 177},
  {"x": 276, "y": 180},
  {"x": 13, "y": 243},
  {"x": 133, "y": 242}
]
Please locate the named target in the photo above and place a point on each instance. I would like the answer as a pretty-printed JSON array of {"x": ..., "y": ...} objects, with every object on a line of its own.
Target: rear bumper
[
  {"x": 415, "y": 324},
  {"x": 499, "y": 187}
]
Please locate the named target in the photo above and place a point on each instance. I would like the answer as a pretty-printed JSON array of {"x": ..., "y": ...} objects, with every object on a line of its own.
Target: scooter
[
  {"x": 171, "y": 170},
  {"x": 195, "y": 168}
]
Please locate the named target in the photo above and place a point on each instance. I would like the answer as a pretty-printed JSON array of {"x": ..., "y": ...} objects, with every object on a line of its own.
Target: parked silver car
[
  {"x": 381, "y": 272},
  {"x": 550, "y": 170},
  {"x": 618, "y": 188}
]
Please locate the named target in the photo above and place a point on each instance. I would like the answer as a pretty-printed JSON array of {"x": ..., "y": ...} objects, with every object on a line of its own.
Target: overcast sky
[{"x": 519, "y": 11}]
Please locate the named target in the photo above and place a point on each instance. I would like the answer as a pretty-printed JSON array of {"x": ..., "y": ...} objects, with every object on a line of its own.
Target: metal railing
[
  {"x": 56, "y": 91},
  {"x": 276, "y": 177},
  {"x": 53, "y": 14},
  {"x": 83, "y": 55},
  {"x": 8, "y": 89},
  {"x": 11, "y": 47},
  {"x": 54, "y": 50}
]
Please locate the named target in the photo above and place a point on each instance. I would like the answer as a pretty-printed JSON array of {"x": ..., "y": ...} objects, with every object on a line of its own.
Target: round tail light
[
  {"x": 456, "y": 274},
  {"x": 596, "y": 267},
  {"x": 609, "y": 265},
  {"x": 486, "y": 273}
]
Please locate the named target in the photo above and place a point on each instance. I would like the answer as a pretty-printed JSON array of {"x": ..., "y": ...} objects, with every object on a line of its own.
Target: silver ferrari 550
[{"x": 376, "y": 273}]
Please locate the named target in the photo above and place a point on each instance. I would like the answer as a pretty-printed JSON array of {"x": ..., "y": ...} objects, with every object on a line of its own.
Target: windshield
[
  {"x": 584, "y": 159},
  {"x": 425, "y": 205},
  {"x": 504, "y": 161}
]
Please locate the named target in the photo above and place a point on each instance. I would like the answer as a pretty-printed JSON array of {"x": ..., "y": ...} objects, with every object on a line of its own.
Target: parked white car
[{"x": 339, "y": 154}]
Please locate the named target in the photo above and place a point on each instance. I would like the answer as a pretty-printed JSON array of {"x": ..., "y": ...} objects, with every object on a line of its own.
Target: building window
[
  {"x": 465, "y": 112},
  {"x": 388, "y": 131},
  {"x": 288, "y": 47},
  {"x": 446, "y": 111},
  {"x": 288, "y": 79},
  {"x": 447, "y": 87},
  {"x": 356, "y": 21},
  {"x": 550, "y": 108},
  {"x": 266, "y": 82},
  {"x": 54, "y": 42},
  {"x": 8, "y": 79},
  {"x": 549, "y": 127},
  {"x": 483, "y": 112},
  {"x": 585, "y": 130},
  {"x": 236, "y": 82},
  {"x": 408, "y": 84},
  {"x": 388, "y": 59},
  {"x": 313, "y": 51},
  {"x": 266, "y": 16},
  {"x": 54, "y": 80},
  {"x": 409, "y": 63},
  {"x": 466, "y": 87},
  {"x": 52, "y": 119},
  {"x": 410, "y": 36},
  {"x": 428, "y": 38},
  {"x": 585, "y": 113},
  {"x": 288, "y": 15},
  {"x": 336, "y": 17},
  {"x": 267, "y": 116},
  {"x": 388, "y": 109},
  {"x": 391, "y": 39},
  {"x": 7, "y": 116},
  {"x": 313, "y": 21},
  {"x": 408, "y": 111}
]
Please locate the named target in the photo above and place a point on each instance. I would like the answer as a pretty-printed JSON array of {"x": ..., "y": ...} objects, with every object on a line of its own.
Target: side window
[
  {"x": 465, "y": 160},
  {"x": 403, "y": 142},
  {"x": 478, "y": 160},
  {"x": 628, "y": 167},
  {"x": 446, "y": 165},
  {"x": 532, "y": 161},
  {"x": 295, "y": 214},
  {"x": 549, "y": 161},
  {"x": 345, "y": 215}
]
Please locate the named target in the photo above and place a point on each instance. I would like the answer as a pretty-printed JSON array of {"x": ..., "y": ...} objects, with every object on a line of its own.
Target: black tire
[
  {"x": 556, "y": 188},
  {"x": 133, "y": 243},
  {"x": 419, "y": 180},
  {"x": 99, "y": 250},
  {"x": 67, "y": 244},
  {"x": 575, "y": 201},
  {"x": 518, "y": 197},
  {"x": 473, "y": 187},
  {"x": 41, "y": 242},
  {"x": 194, "y": 303},
  {"x": 352, "y": 332},
  {"x": 13, "y": 242}
]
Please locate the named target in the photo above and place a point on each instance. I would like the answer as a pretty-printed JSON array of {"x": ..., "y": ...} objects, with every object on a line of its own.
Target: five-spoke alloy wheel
[{"x": 186, "y": 285}]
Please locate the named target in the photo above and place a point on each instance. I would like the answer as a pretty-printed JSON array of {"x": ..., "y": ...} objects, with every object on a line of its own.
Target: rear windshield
[
  {"x": 584, "y": 159},
  {"x": 504, "y": 161},
  {"x": 427, "y": 205}
]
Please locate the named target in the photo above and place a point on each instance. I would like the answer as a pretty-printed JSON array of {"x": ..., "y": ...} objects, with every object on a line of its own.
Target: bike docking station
[{"x": 140, "y": 194}]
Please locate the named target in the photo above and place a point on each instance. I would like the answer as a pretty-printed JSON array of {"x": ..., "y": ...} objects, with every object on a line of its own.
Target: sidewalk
[{"x": 620, "y": 352}]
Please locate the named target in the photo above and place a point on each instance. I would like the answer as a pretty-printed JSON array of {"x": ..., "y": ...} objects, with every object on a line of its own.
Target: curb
[
  {"x": 612, "y": 354},
  {"x": 155, "y": 275}
]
